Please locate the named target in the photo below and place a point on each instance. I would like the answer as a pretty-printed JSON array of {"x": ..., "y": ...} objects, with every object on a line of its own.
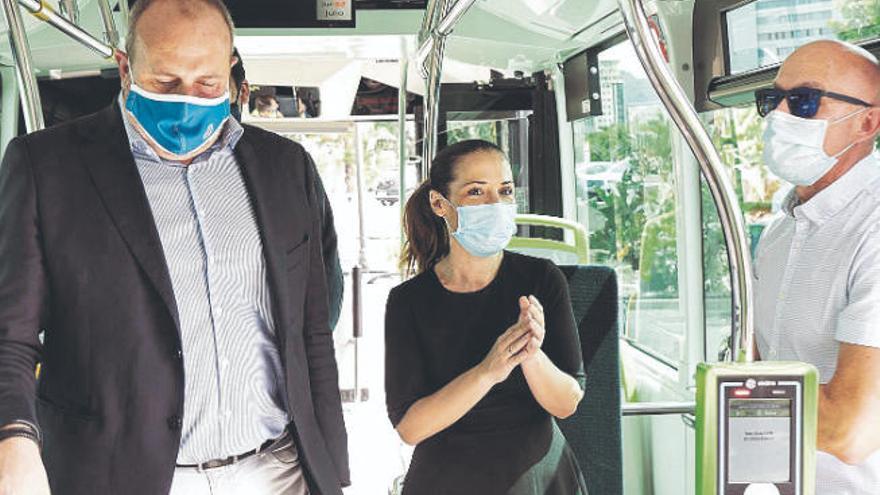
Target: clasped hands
[{"x": 519, "y": 343}]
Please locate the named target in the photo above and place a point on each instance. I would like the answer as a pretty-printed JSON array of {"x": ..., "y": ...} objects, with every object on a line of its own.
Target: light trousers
[{"x": 273, "y": 472}]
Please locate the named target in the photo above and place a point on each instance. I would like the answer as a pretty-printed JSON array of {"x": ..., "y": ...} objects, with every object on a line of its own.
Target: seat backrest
[{"x": 594, "y": 431}]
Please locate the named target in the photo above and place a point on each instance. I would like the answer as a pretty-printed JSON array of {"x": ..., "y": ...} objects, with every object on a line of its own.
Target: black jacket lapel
[
  {"x": 269, "y": 188},
  {"x": 113, "y": 170}
]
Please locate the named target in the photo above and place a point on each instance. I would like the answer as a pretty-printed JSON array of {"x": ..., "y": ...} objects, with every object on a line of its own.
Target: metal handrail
[
  {"x": 24, "y": 71},
  {"x": 687, "y": 120},
  {"x": 70, "y": 9},
  {"x": 123, "y": 7},
  {"x": 402, "y": 149},
  {"x": 41, "y": 10},
  {"x": 441, "y": 17},
  {"x": 110, "y": 32},
  {"x": 432, "y": 75},
  {"x": 453, "y": 15},
  {"x": 657, "y": 408}
]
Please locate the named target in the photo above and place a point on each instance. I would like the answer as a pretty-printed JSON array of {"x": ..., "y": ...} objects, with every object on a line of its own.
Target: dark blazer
[
  {"x": 330, "y": 249},
  {"x": 81, "y": 259}
]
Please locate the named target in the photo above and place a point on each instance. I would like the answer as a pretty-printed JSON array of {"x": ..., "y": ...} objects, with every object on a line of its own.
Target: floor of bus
[{"x": 376, "y": 454}]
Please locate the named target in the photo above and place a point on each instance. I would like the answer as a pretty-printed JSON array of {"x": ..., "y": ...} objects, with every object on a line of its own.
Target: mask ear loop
[
  {"x": 848, "y": 116},
  {"x": 841, "y": 119},
  {"x": 449, "y": 227}
]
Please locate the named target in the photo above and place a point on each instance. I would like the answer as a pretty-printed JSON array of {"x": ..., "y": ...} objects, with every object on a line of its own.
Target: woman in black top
[{"x": 481, "y": 346}]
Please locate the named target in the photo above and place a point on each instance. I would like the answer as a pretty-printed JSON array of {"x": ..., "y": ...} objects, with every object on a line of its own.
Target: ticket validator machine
[{"x": 756, "y": 428}]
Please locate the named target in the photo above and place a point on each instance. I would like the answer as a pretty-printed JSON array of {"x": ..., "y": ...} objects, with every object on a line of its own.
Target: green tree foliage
[
  {"x": 462, "y": 131},
  {"x": 860, "y": 20},
  {"x": 638, "y": 211}
]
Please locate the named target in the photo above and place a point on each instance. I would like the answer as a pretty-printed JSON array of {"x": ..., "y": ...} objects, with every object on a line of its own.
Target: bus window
[
  {"x": 626, "y": 198},
  {"x": 737, "y": 133},
  {"x": 767, "y": 31},
  {"x": 511, "y": 134}
]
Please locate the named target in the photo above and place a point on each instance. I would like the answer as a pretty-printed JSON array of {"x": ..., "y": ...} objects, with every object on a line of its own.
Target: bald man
[
  {"x": 173, "y": 259},
  {"x": 817, "y": 266}
]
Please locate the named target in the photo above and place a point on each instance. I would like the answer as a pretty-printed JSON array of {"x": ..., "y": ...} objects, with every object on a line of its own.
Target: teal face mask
[
  {"x": 485, "y": 230},
  {"x": 181, "y": 126}
]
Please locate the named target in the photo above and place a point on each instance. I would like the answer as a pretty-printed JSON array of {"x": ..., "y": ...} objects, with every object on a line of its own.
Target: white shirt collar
[{"x": 827, "y": 202}]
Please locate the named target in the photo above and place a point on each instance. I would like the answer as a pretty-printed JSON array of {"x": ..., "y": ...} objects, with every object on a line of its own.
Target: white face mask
[{"x": 794, "y": 147}]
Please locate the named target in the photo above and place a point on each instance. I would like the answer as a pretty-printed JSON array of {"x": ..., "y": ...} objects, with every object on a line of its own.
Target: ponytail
[{"x": 427, "y": 236}]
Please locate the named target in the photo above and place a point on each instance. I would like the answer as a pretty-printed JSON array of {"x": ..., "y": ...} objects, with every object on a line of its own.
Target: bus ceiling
[{"x": 527, "y": 35}]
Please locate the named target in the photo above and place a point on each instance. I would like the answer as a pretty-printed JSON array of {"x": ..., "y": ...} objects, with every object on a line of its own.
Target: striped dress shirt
[
  {"x": 206, "y": 222},
  {"x": 817, "y": 285}
]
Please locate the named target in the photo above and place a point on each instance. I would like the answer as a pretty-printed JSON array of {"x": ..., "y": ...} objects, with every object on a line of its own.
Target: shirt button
[
  {"x": 224, "y": 363},
  {"x": 175, "y": 422},
  {"x": 219, "y": 311}
]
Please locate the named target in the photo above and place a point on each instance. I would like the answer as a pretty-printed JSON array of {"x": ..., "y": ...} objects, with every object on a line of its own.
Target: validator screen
[{"x": 759, "y": 436}]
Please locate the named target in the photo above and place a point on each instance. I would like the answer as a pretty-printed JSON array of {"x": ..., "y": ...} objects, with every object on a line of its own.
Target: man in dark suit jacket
[
  {"x": 239, "y": 94},
  {"x": 177, "y": 339}
]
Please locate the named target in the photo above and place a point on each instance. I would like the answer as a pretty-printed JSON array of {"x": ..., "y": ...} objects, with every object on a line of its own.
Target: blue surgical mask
[
  {"x": 485, "y": 230},
  {"x": 180, "y": 126}
]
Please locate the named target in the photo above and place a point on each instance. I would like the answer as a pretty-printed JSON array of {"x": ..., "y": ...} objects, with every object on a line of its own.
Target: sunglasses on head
[{"x": 802, "y": 102}]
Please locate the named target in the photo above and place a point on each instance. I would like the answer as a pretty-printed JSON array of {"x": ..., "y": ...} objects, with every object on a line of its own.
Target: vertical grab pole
[
  {"x": 357, "y": 271},
  {"x": 401, "y": 136},
  {"x": 432, "y": 91},
  {"x": 111, "y": 34},
  {"x": 357, "y": 326},
  {"x": 685, "y": 116},
  {"x": 21, "y": 55},
  {"x": 441, "y": 17},
  {"x": 70, "y": 9},
  {"x": 10, "y": 105}
]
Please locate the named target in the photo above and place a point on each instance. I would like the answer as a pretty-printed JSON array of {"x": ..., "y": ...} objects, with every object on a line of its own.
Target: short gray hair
[{"x": 141, "y": 6}]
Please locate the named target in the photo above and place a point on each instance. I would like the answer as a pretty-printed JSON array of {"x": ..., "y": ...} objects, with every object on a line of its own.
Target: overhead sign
[
  {"x": 334, "y": 10},
  {"x": 293, "y": 13}
]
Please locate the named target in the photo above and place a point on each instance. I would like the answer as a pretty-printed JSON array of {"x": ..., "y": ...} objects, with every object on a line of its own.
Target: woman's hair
[{"x": 427, "y": 236}]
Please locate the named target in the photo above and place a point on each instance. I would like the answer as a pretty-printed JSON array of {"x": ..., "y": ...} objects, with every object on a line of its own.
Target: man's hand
[{"x": 21, "y": 468}]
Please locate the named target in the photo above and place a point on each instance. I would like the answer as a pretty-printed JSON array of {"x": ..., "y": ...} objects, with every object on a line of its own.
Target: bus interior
[{"x": 606, "y": 172}]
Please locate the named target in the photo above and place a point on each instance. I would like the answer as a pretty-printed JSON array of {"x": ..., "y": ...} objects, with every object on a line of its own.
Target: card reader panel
[{"x": 760, "y": 433}]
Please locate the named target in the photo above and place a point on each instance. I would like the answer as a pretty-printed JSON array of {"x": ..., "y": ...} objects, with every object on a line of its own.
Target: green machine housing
[{"x": 756, "y": 428}]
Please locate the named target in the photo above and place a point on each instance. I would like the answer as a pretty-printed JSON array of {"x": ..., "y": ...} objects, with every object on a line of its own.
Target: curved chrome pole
[
  {"x": 111, "y": 34},
  {"x": 41, "y": 10},
  {"x": 441, "y": 16},
  {"x": 123, "y": 7},
  {"x": 454, "y": 13},
  {"x": 687, "y": 120},
  {"x": 401, "y": 136},
  {"x": 24, "y": 70},
  {"x": 432, "y": 104},
  {"x": 70, "y": 10}
]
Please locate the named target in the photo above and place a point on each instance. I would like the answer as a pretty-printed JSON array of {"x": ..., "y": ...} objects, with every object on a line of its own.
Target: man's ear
[
  {"x": 122, "y": 62},
  {"x": 870, "y": 127}
]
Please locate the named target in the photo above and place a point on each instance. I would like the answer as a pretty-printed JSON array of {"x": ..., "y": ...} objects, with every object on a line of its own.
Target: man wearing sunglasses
[{"x": 817, "y": 267}]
